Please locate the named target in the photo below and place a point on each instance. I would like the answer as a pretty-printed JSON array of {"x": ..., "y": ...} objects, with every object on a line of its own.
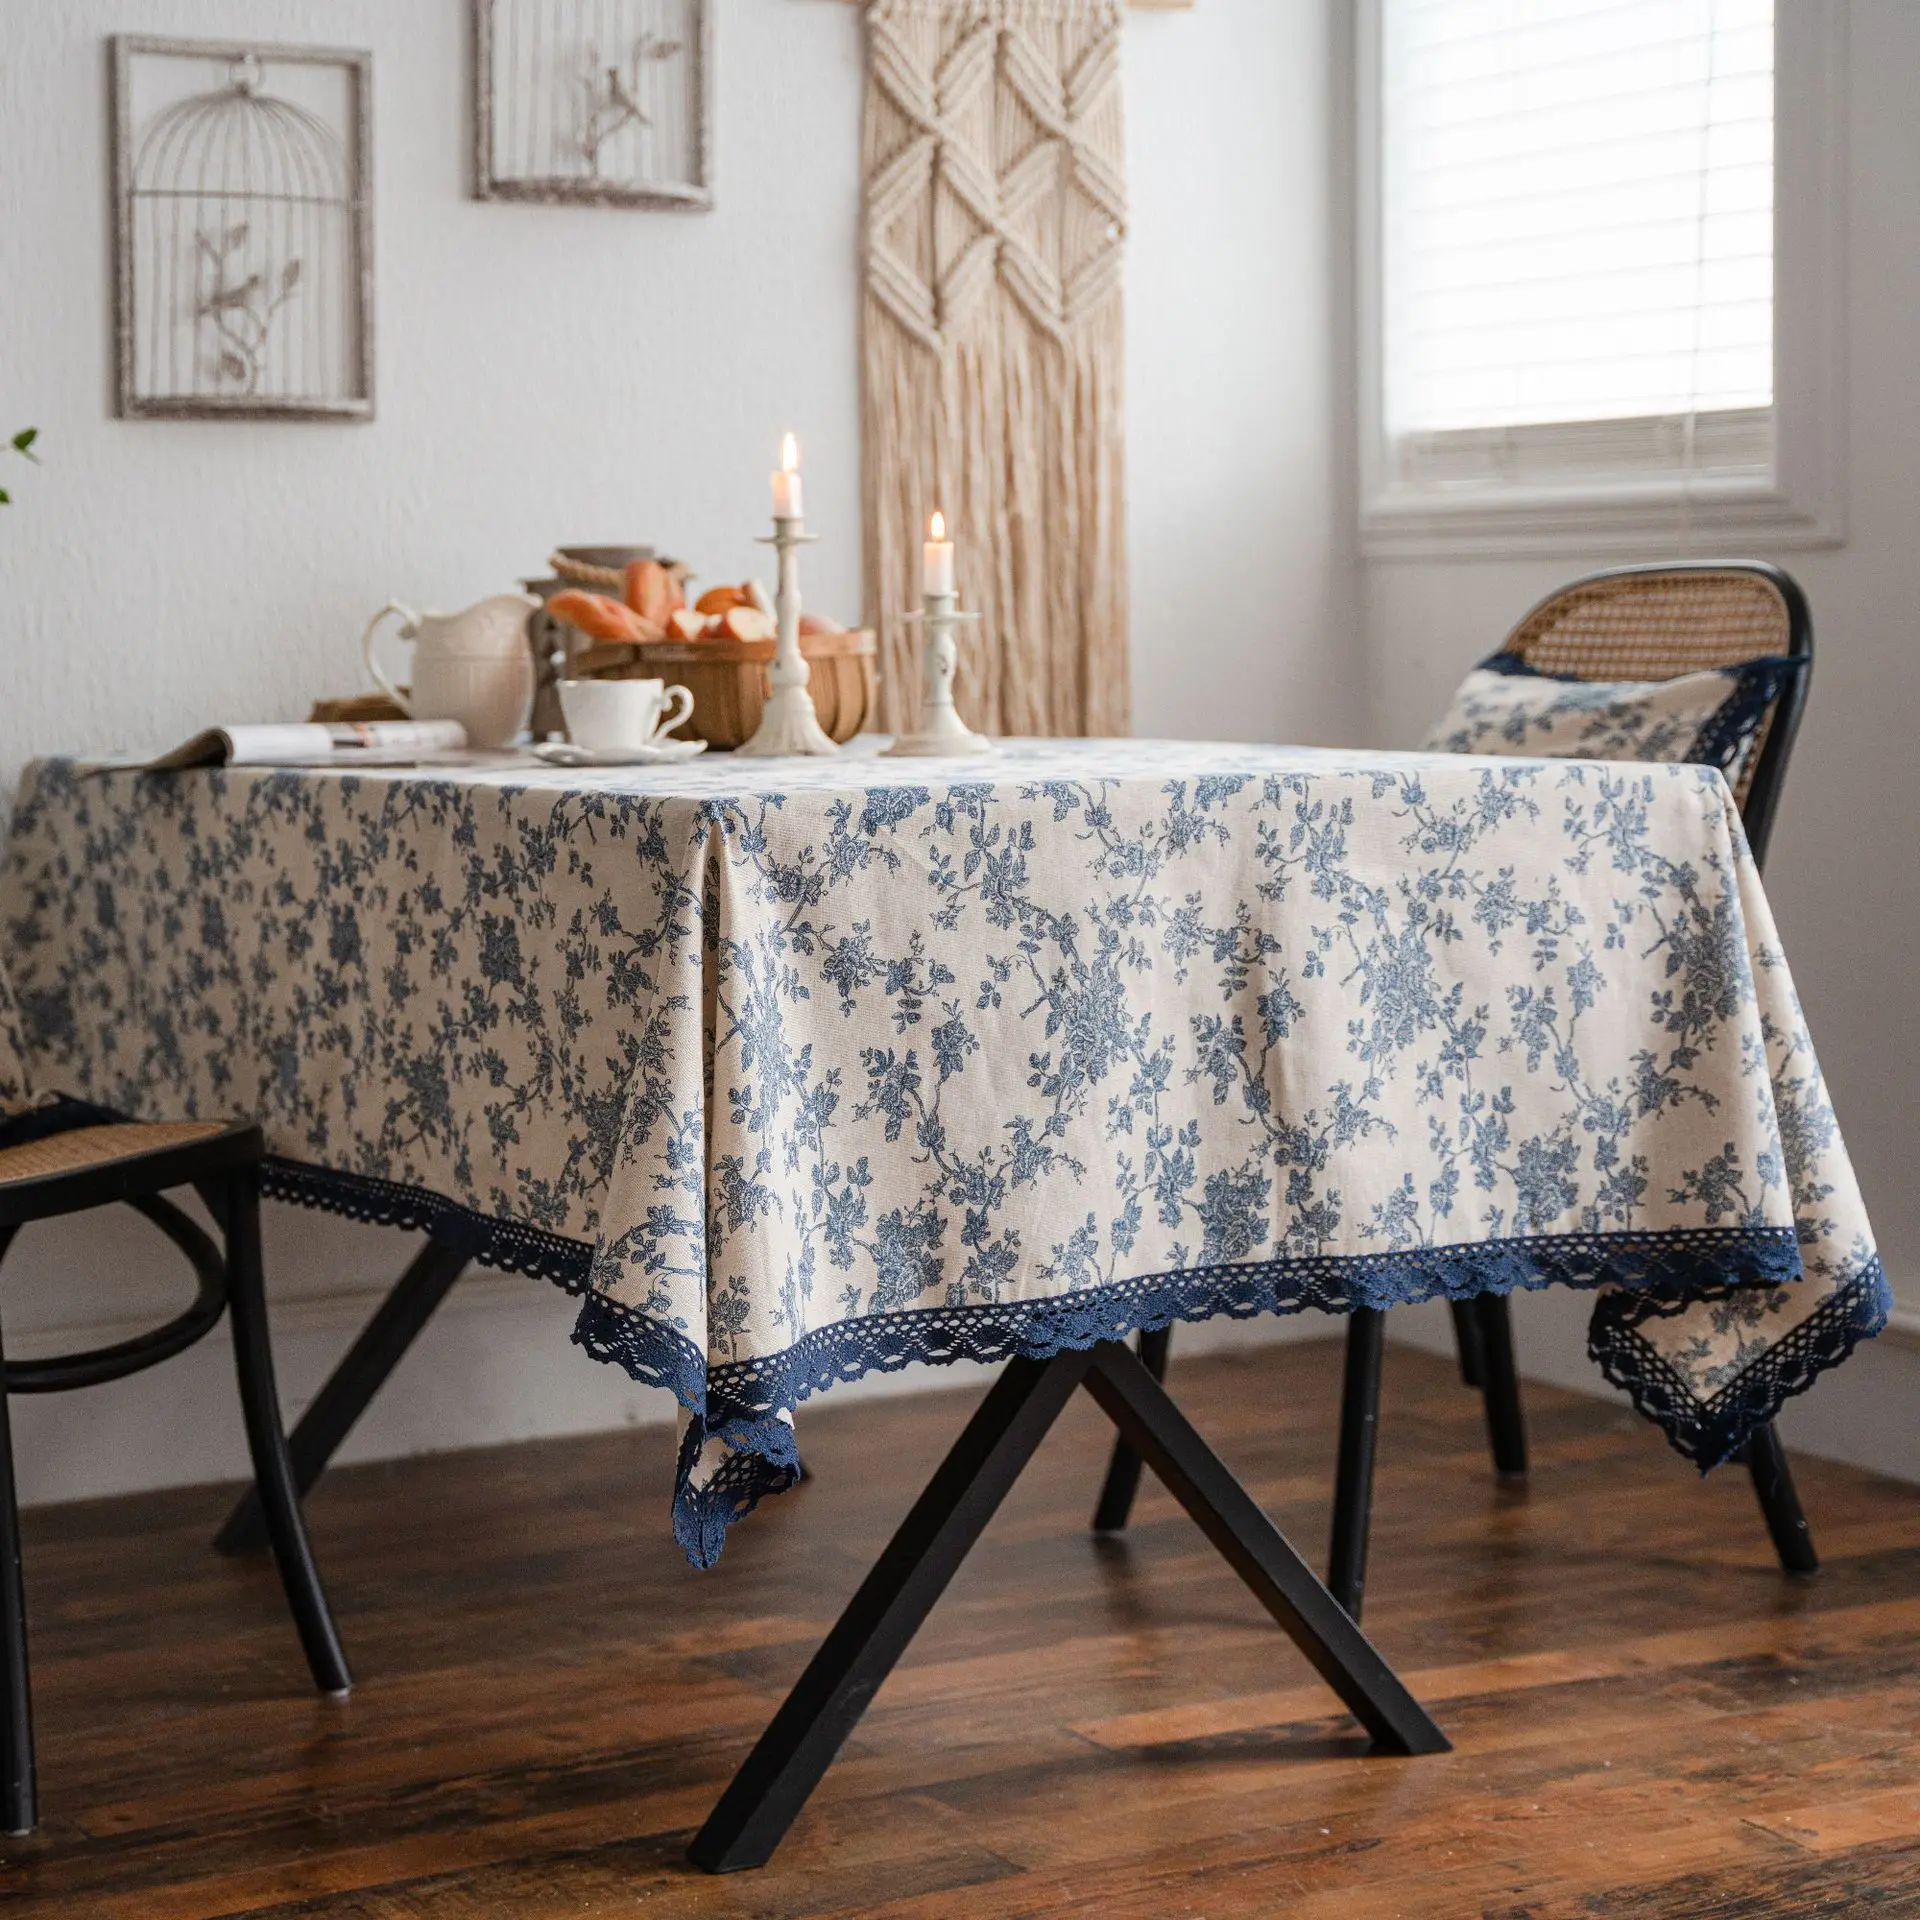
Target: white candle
[
  {"x": 788, "y": 501},
  {"x": 936, "y": 559}
]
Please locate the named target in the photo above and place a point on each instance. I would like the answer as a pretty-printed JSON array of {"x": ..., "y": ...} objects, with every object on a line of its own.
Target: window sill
[{"x": 1471, "y": 523}]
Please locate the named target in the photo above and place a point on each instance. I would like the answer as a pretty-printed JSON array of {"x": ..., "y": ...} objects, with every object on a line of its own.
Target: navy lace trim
[
  {"x": 744, "y": 1477},
  {"x": 1724, "y": 739},
  {"x": 747, "y": 1406},
  {"x": 510, "y": 1245},
  {"x": 653, "y": 1353},
  {"x": 1515, "y": 666},
  {"x": 1713, "y": 1431}
]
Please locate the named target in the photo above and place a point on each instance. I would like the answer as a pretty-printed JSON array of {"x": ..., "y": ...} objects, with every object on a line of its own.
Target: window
[{"x": 1578, "y": 232}]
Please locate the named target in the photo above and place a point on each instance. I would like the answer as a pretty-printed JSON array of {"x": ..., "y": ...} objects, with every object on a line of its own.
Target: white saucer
[{"x": 657, "y": 753}]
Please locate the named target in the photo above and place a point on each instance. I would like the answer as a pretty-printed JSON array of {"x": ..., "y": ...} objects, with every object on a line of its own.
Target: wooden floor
[{"x": 1649, "y": 1719}]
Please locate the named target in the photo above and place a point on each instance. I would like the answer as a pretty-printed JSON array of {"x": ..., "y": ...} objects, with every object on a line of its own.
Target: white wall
[
  {"x": 1844, "y": 869},
  {"x": 1243, "y": 562},
  {"x": 548, "y": 374}
]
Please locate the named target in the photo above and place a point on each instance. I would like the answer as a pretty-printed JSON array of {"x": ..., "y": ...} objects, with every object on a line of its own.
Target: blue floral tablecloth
[{"x": 796, "y": 1070}]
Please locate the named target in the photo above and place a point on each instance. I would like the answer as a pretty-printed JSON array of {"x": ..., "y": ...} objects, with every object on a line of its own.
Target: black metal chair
[
  {"x": 1628, "y": 623},
  {"x": 64, "y": 1158}
]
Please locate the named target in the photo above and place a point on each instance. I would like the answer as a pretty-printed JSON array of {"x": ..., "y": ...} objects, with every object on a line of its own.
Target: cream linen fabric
[{"x": 797, "y": 1070}]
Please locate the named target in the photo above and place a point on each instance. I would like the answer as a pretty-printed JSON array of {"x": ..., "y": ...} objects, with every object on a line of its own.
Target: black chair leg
[
  {"x": 17, "y": 1783},
  {"x": 267, "y": 1438},
  {"x": 1780, "y": 1501},
  {"x": 1353, "y": 1483},
  {"x": 1466, "y": 1343},
  {"x": 1123, "y": 1470},
  {"x": 382, "y": 1345},
  {"x": 1500, "y": 1386}
]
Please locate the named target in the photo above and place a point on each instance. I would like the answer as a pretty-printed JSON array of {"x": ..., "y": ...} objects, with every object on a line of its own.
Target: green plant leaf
[
  {"x": 6, "y": 499},
  {"x": 24, "y": 439}
]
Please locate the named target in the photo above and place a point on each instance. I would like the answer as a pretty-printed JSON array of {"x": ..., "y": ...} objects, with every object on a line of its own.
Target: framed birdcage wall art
[
  {"x": 599, "y": 102},
  {"x": 243, "y": 230}
]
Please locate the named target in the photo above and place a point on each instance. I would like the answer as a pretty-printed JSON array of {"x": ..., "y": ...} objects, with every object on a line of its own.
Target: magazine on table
[{"x": 340, "y": 743}]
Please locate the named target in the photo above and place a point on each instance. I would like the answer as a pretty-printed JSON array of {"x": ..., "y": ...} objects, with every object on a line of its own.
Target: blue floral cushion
[
  {"x": 14, "y": 1091},
  {"x": 1707, "y": 719}
]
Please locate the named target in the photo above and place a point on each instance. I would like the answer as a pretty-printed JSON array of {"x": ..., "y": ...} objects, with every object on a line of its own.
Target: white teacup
[{"x": 610, "y": 716}]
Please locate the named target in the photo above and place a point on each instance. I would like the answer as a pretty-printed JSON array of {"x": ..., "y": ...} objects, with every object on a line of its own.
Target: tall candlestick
[
  {"x": 941, "y": 730},
  {"x": 788, "y": 499},
  {"x": 936, "y": 559},
  {"x": 788, "y": 722}
]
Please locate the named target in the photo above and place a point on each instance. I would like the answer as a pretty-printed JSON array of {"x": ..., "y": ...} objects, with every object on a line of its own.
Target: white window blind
[{"x": 1577, "y": 235}]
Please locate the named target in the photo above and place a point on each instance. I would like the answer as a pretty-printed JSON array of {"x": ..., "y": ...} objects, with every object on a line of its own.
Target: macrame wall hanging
[{"x": 993, "y": 344}]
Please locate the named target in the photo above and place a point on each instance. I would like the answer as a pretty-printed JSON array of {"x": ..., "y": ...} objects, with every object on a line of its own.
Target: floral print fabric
[
  {"x": 801, "y": 1069},
  {"x": 1709, "y": 719}
]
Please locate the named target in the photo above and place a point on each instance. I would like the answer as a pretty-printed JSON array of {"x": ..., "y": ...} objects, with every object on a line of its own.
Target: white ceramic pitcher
[{"x": 475, "y": 667}]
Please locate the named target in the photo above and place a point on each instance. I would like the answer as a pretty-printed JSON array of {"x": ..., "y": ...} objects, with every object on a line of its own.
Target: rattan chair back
[{"x": 1656, "y": 623}]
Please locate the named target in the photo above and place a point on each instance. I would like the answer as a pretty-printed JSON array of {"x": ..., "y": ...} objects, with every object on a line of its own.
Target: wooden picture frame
[
  {"x": 242, "y": 179},
  {"x": 603, "y": 103}
]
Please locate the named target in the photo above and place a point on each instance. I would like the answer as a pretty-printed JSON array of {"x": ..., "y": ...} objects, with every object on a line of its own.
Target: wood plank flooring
[{"x": 1649, "y": 1718}]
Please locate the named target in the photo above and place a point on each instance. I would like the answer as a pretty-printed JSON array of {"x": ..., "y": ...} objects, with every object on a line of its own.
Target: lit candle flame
[
  {"x": 937, "y": 527},
  {"x": 789, "y": 455}
]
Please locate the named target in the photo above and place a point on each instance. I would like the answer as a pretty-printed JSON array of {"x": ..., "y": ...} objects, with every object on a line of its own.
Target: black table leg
[
  {"x": 1780, "y": 1501},
  {"x": 1466, "y": 1342},
  {"x": 752, "y": 1816},
  {"x": 1260, "y": 1554},
  {"x": 353, "y": 1383},
  {"x": 1353, "y": 1482},
  {"x": 1115, "y": 1508},
  {"x": 773, "y": 1784},
  {"x": 1500, "y": 1386}
]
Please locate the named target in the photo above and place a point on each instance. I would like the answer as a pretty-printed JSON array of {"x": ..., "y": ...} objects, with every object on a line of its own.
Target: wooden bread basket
[{"x": 728, "y": 680}]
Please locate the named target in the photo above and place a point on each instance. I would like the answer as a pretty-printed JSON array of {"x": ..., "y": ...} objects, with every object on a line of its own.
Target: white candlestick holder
[
  {"x": 788, "y": 722},
  {"x": 941, "y": 730}
]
